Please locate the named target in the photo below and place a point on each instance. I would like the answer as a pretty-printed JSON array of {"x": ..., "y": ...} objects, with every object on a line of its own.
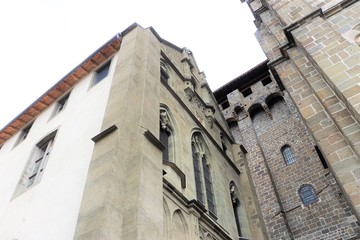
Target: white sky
[{"x": 42, "y": 40}]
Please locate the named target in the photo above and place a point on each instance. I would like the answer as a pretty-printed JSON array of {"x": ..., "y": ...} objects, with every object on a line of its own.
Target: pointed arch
[
  {"x": 202, "y": 172},
  {"x": 179, "y": 228},
  {"x": 167, "y": 133},
  {"x": 167, "y": 219},
  {"x": 240, "y": 215}
]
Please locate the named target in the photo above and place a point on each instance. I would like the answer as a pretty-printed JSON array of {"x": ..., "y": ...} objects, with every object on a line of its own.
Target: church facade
[{"x": 133, "y": 144}]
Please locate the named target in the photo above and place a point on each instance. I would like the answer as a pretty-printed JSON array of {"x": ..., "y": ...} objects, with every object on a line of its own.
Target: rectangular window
[
  {"x": 266, "y": 81},
  {"x": 24, "y": 133},
  {"x": 35, "y": 166},
  {"x": 62, "y": 103},
  {"x": 225, "y": 104},
  {"x": 246, "y": 92},
  {"x": 101, "y": 73},
  {"x": 41, "y": 155}
]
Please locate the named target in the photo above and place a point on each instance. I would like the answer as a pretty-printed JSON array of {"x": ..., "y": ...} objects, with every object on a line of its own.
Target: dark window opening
[
  {"x": 266, "y": 81},
  {"x": 223, "y": 144},
  {"x": 102, "y": 72},
  {"x": 197, "y": 171},
  {"x": 225, "y": 104},
  {"x": 246, "y": 92},
  {"x": 61, "y": 103},
  {"x": 164, "y": 77},
  {"x": 25, "y": 132},
  {"x": 236, "y": 204},
  {"x": 322, "y": 159},
  {"x": 164, "y": 139}
]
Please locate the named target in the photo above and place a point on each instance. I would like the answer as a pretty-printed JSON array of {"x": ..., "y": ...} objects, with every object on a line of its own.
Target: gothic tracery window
[{"x": 202, "y": 171}]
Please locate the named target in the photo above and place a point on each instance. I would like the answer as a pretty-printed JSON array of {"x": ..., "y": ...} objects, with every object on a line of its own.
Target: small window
[
  {"x": 266, "y": 81},
  {"x": 61, "y": 104},
  {"x": 308, "y": 195},
  {"x": 25, "y": 133},
  {"x": 288, "y": 154},
  {"x": 101, "y": 73},
  {"x": 225, "y": 104},
  {"x": 223, "y": 142},
  {"x": 164, "y": 77},
  {"x": 246, "y": 92}
]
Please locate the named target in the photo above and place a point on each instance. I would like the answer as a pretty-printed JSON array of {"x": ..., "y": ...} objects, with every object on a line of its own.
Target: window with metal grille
[
  {"x": 288, "y": 154},
  {"x": 308, "y": 195}
]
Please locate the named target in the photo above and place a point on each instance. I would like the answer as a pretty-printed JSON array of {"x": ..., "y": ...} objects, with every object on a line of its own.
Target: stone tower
[
  {"x": 300, "y": 122},
  {"x": 297, "y": 192}
]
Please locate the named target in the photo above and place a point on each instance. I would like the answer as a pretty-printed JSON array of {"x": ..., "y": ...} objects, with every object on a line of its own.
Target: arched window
[
  {"x": 288, "y": 154},
  {"x": 166, "y": 135},
  {"x": 202, "y": 171},
  {"x": 236, "y": 205},
  {"x": 223, "y": 142},
  {"x": 308, "y": 195}
]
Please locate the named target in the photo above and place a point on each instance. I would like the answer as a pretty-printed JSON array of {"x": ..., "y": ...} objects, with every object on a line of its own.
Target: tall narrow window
[
  {"x": 202, "y": 171},
  {"x": 164, "y": 139},
  {"x": 166, "y": 136},
  {"x": 101, "y": 73},
  {"x": 308, "y": 195},
  {"x": 322, "y": 159},
  {"x": 236, "y": 204},
  {"x": 197, "y": 171},
  {"x": 208, "y": 186},
  {"x": 223, "y": 142},
  {"x": 288, "y": 154}
]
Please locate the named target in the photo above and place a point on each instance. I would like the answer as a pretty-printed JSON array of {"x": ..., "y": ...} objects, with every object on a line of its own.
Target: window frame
[
  {"x": 32, "y": 173},
  {"x": 288, "y": 154},
  {"x": 105, "y": 66},
  {"x": 307, "y": 194},
  {"x": 204, "y": 184}
]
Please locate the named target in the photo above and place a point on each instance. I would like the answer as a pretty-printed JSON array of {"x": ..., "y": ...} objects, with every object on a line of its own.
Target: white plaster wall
[{"x": 49, "y": 210}]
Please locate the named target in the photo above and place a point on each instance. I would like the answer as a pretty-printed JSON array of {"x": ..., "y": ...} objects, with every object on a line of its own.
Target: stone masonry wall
[{"x": 320, "y": 70}]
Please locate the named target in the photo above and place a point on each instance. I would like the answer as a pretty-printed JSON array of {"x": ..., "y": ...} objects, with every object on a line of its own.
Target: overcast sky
[{"x": 42, "y": 40}]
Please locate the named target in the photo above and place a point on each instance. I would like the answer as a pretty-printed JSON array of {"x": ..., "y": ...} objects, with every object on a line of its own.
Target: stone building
[
  {"x": 297, "y": 115},
  {"x": 131, "y": 144}
]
